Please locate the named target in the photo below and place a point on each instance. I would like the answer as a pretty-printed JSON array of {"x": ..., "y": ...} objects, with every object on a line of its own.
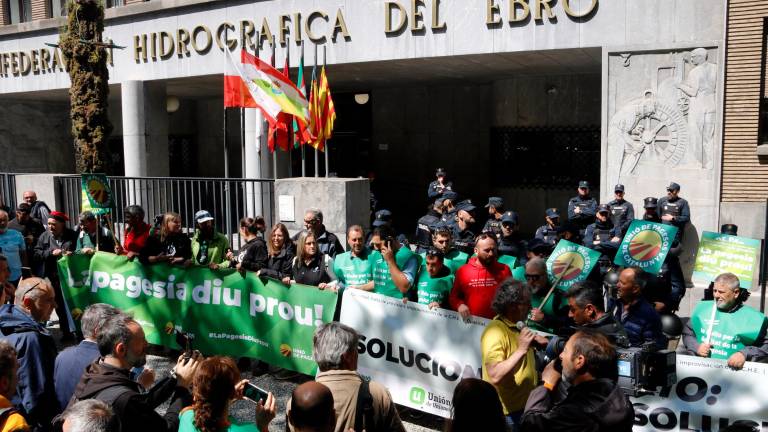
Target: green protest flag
[
  {"x": 645, "y": 245},
  {"x": 570, "y": 263},
  {"x": 226, "y": 312},
  {"x": 722, "y": 253},
  {"x": 96, "y": 193}
]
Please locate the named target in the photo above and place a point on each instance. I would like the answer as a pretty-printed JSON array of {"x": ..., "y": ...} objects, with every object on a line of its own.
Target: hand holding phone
[{"x": 252, "y": 392}]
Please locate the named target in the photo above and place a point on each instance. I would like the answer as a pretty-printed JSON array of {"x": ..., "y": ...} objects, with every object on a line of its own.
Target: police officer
[
  {"x": 674, "y": 210},
  {"x": 495, "y": 208},
  {"x": 603, "y": 237},
  {"x": 511, "y": 243},
  {"x": 622, "y": 211},
  {"x": 425, "y": 226},
  {"x": 463, "y": 237},
  {"x": 441, "y": 185},
  {"x": 449, "y": 207},
  {"x": 651, "y": 206},
  {"x": 582, "y": 208},
  {"x": 548, "y": 233},
  {"x": 384, "y": 217},
  {"x": 668, "y": 288}
]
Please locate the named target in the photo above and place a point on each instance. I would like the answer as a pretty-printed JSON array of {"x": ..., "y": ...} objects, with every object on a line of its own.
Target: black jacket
[
  {"x": 593, "y": 406},
  {"x": 253, "y": 255},
  {"x": 175, "y": 245},
  {"x": 46, "y": 244},
  {"x": 136, "y": 411}
]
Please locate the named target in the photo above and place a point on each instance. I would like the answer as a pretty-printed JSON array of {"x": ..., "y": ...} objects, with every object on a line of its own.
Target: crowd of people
[{"x": 494, "y": 273}]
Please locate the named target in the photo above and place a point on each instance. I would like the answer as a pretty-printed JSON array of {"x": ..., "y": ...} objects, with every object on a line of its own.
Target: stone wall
[{"x": 43, "y": 144}]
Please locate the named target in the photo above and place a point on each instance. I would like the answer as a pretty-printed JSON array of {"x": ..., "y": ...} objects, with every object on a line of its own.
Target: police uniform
[
  {"x": 587, "y": 209},
  {"x": 513, "y": 244},
  {"x": 546, "y": 233},
  {"x": 464, "y": 240},
  {"x": 670, "y": 284},
  {"x": 678, "y": 208},
  {"x": 622, "y": 211},
  {"x": 424, "y": 228},
  {"x": 434, "y": 190},
  {"x": 493, "y": 225}
]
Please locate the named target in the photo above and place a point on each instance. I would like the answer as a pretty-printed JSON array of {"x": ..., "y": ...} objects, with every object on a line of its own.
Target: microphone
[{"x": 520, "y": 325}]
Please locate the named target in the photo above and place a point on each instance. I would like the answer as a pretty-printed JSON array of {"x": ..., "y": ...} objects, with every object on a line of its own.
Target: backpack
[{"x": 364, "y": 411}]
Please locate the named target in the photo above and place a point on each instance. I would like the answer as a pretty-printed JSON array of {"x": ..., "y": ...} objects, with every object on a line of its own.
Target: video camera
[{"x": 640, "y": 370}]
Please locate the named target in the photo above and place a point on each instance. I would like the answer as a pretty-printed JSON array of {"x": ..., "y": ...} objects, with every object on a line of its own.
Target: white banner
[
  {"x": 418, "y": 354},
  {"x": 708, "y": 396}
]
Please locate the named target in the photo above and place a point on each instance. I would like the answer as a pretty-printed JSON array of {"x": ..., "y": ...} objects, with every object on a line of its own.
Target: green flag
[
  {"x": 721, "y": 253},
  {"x": 96, "y": 193},
  {"x": 645, "y": 245},
  {"x": 227, "y": 313},
  {"x": 571, "y": 263}
]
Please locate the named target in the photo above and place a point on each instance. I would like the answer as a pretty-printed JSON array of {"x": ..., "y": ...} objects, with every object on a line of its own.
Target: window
[
  {"x": 114, "y": 3},
  {"x": 19, "y": 10},
  {"x": 58, "y": 8},
  {"x": 762, "y": 138}
]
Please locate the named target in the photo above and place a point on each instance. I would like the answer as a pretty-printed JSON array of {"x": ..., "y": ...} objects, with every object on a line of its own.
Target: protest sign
[
  {"x": 570, "y": 263},
  {"x": 96, "y": 193},
  {"x": 721, "y": 253},
  {"x": 417, "y": 353},
  {"x": 226, "y": 312},
  {"x": 708, "y": 396},
  {"x": 645, "y": 245}
]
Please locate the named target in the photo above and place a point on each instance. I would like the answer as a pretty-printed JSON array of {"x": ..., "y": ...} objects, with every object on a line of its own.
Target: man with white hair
[
  {"x": 90, "y": 415},
  {"x": 726, "y": 328},
  {"x": 335, "y": 351},
  {"x": 327, "y": 242}
]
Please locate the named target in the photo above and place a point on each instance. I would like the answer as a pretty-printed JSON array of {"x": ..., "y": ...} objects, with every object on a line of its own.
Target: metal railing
[
  {"x": 227, "y": 200},
  {"x": 8, "y": 190}
]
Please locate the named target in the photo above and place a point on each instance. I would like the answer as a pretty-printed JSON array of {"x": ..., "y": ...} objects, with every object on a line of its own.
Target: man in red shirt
[
  {"x": 136, "y": 232},
  {"x": 476, "y": 281}
]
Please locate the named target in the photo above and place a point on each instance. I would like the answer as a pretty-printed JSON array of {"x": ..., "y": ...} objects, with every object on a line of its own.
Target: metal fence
[
  {"x": 228, "y": 200},
  {"x": 8, "y": 190}
]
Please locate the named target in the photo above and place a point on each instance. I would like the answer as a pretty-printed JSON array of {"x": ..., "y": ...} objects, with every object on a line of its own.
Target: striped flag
[
  {"x": 252, "y": 83},
  {"x": 301, "y": 133},
  {"x": 322, "y": 111}
]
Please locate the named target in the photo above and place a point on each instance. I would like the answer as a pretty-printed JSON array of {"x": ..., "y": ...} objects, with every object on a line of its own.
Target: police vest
[
  {"x": 671, "y": 208},
  {"x": 353, "y": 271},
  {"x": 548, "y": 235},
  {"x": 731, "y": 332},
  {"x": 602, "y": 235},
  {"x": 431, "y": 290},
  {"x": 494, "y": 226},
  {"x": 382, "y": 279},
  {"x": 618, "y": 211}
]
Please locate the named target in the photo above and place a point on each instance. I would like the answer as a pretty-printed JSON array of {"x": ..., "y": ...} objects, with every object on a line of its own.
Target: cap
[
  {"x": 24, "y": 207},
  {"x": 537, "y": 245},
  {"x": 673, "y": 186},
  {"x": 203, "y": 216},
  {"x": 450, "y": 195},
  {"x": 440, "y": 172},
  {"x": 383, "y": 217},
  {"x": 465, "y": 205},
  {"x": 584, "y": 184},
  {"x": 552, "y": 213},
  {"x": 603, "y": 208},
  {"x": 496, "y": 202},
  {"x": 510, "y": 217},
  {"x": 59, "y": 216},
  {"x": 619, "y": 188},
  {"x": 650, "y": 202},
  {"x": 729, "y": 229}
]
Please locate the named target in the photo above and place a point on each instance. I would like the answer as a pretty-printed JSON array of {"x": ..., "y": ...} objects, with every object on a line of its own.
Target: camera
[{"x": 640, "y": 370}]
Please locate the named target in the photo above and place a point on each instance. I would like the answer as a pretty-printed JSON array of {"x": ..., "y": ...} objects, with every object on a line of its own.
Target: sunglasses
[{"x": 533, "y": 276}]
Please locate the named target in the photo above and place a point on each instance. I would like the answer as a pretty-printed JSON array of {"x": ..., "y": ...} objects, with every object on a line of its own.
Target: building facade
[{"x": 518, "y": 98}]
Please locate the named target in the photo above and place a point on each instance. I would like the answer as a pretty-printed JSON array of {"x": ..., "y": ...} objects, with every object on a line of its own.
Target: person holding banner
[
  {"x": 249, "y": 231},
  {"x": 168, "y": 244},
  {"x": 353, "y": 267},
  {"x": 435, "y": 281},
  {"x": 311, "y": 267},
  {"x": 442, "y": 240},
  {"x": 509, "y": 362},
  {"x": 726, "y": 328},
  {"x": 91, "y": 237},
  {"x": 209, "y": 247},
  {"x": 476, "y": 282},
  {"x": 277, "y": 260},
  {"x": 136, "y": 232}
]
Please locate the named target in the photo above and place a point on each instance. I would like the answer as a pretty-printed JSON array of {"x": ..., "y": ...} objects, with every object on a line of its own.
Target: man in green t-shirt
[
  {"x": 353, "y": 268},
  {"x": 442, "y": 240},
  {"x": 435, "y": 281},
  {"x": 394, "y": 266},
  {"x": 552, "y": 315},
  {"x": 726, "y": 328}
]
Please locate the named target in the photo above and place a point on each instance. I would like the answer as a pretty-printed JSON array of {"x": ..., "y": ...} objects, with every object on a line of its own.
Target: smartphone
[{"x": 254, "y": 393}]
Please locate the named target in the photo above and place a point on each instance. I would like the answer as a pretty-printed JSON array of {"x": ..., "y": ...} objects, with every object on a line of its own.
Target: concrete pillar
[
  {"x": 155, "y": 105},
  {"x": 258, "y": 164},
  {"x": 134, "y": 128}
]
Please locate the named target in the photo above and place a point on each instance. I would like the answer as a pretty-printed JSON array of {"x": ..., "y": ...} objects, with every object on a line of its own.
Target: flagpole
[
  {"x": 226, "y": 149},
  {"x": 317, "y": 155},
  {"x": 303, "y": 155},
  {"x": 325, "y": 146},
  {"x": 274, "y": 151},
  {"x": 289, "y": 127}
]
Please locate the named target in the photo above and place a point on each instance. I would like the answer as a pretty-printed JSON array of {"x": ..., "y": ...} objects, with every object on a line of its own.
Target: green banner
[
  {"x": 227, "y": 313},
  {"x": 571, "y": 263},
  {"x": 721, "y": 253},
  {"x": 96, "y": 193},
  {"x": 646, "y": 245}
]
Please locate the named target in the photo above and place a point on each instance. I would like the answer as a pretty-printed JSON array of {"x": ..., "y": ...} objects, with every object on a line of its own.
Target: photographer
[
  {"x": 123, "y": 346},
  {"x": 594, "y": 401}
]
